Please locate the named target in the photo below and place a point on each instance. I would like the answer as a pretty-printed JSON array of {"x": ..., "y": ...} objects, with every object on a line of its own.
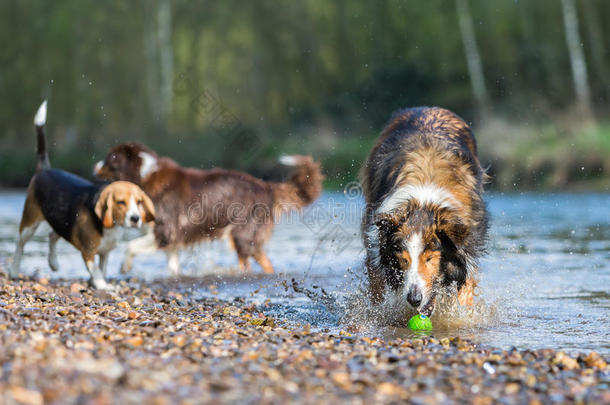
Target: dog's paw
[
  {"x": 125, "y": 268},
  {"x": 103, "y": 285},
  {"x": 13, "y": 273},
  {"x": 53, "y": 264}
]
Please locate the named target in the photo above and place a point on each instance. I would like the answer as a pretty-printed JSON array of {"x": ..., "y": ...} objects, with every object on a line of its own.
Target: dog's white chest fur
[{"x": 110, "y": 239}]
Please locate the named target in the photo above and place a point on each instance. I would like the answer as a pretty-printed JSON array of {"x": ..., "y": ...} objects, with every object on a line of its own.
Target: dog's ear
[
  {"x": 149, "y": 207},
  {"x": 452, "y": 233},
  {"x": 452, "y": 261},
  {"x": 386, "y": 223},
  {"x": 387, "y": 226},
  {"x": 103, "y": 209}
]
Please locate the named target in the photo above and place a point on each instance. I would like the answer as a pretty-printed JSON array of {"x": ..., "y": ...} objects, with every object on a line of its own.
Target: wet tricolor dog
[
  {"x": 425, "y": 223},
  {"x": 87, "y": 215},
  {"x": 195, "y": 205}
]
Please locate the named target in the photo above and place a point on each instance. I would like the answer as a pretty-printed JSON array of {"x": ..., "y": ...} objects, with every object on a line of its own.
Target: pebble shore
[{"x": 155, "y": 343}]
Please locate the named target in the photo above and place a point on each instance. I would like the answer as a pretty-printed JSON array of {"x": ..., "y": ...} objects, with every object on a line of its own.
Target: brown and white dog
[
  {"x": 425, "y": 223},
  {"x": 87, "y": 215},
  {"x": 193, "y": 205}
]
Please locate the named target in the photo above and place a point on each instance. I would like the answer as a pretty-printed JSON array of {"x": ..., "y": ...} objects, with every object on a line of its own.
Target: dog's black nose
[
  {"x": 134, "y": 218},
  {"x": 414, "y": 297}
]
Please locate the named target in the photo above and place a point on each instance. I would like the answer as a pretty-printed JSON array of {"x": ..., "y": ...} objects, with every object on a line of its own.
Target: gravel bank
[{"x": 154, "y": 343}]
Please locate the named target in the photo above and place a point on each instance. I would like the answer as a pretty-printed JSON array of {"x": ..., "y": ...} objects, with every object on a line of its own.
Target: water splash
[{"x": 355, "y": 312}]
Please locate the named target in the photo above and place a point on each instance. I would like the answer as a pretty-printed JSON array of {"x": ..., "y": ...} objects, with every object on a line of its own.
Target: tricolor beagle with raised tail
[{"x": 87, "y": 215}]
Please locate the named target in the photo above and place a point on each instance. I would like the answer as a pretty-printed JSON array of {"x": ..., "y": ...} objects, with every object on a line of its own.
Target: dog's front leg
[
  {"x": 466, "y": 294},
  {"x": 103, "y": 262},
  {"x": 97, "y": 280},
  {"x": 143, "y": 245}
]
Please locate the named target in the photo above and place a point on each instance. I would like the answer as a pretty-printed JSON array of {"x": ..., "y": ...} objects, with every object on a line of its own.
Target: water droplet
[{"x": 489, "y": 368}]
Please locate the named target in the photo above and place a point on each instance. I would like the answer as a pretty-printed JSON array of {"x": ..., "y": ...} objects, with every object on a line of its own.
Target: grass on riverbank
[
  {"x": 519, "y": 156},
  {"x": 547, "y": 157}
]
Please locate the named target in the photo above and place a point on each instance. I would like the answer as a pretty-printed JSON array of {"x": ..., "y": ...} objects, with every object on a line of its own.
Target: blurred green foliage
[{"x": 237, "y": 83}]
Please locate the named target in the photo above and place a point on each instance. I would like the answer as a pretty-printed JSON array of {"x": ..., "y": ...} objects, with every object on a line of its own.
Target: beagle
[{"x": 87, "y": 215}]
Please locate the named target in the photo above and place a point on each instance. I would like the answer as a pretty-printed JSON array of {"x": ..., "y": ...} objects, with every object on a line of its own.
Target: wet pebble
[{"x": 155, "y": 343}]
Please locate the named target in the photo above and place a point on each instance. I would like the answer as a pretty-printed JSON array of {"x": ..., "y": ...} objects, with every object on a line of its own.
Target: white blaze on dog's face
[
  {"x": 414, "y": 283},
  {"x": 133, "y": 216},
  {"x": 410, "y": 254},
  {"x": 420, "y": 259},
  {"x": 125, "y": 204},
  {"x": 129, "y": 162}
]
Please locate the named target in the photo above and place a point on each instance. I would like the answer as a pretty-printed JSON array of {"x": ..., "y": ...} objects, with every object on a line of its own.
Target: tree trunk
[
  {"x": 473, "y": 58},
  {"x": 577, "y": 57},
  {"x": 159, "y": 53},
  {"x": 596, "y": 39},
  {"x": 166, "y": 58}
]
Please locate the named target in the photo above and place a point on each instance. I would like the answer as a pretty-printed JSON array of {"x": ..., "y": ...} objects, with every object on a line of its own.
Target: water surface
[{"x": 544, "y": 283}]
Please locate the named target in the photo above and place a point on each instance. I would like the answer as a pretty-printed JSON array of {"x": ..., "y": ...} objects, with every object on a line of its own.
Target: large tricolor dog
[
  {"x": 87, "y": 215},
  {"x": 195, "y": 205},
  {"x": 425, "y": 223}
]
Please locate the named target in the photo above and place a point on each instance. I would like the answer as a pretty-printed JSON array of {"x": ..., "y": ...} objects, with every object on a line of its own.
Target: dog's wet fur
[
  {"x": 194, "y": 205},
  {"x": 426, "y": 223}
]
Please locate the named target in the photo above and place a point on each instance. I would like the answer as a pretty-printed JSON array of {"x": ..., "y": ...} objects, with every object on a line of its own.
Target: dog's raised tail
[
  {"x": 302, "y": 188},
  {"x": 42, "y": 156}
]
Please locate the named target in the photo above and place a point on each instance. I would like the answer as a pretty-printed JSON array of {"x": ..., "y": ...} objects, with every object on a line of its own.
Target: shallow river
[{"x": 544, "y": 283}]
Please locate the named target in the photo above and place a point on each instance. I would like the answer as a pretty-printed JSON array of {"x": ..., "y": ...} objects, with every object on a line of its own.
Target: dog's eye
[
  {"x": 403, "y": 261},
  {"x": 429, "y": 259},
  {"x": 121, "y": 202}
]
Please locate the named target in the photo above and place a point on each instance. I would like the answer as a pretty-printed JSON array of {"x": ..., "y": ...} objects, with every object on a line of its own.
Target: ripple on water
[{"x": 544, "y": 283}]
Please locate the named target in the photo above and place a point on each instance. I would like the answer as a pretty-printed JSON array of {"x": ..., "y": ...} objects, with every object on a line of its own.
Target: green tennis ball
[{"x": 420, "y": 322}]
